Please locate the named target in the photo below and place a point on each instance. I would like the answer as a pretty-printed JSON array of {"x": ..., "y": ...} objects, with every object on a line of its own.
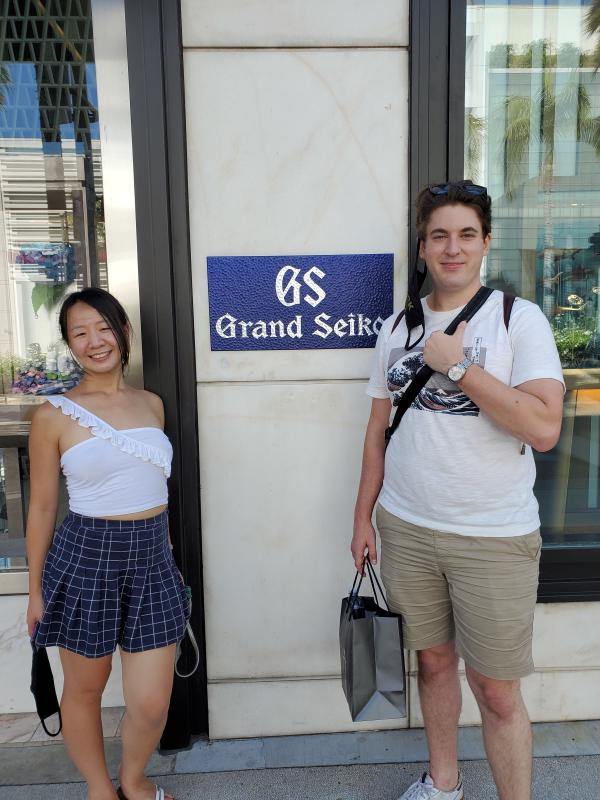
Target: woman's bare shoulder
[
  {"x": 47, "y": 418},
  {"x": 46, "y": 412},
  {"x": 153, "y": 401}
]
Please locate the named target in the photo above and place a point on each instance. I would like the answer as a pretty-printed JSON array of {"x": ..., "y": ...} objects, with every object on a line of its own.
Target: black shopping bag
[
  {"x": 42, "y": 688},
  {"x": 372, "y": 655}
]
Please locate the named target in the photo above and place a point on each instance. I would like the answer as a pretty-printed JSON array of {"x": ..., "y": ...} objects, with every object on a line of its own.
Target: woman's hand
[{"x": 35, "y": 611}]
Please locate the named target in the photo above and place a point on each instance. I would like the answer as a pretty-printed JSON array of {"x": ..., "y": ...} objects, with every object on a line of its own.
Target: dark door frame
[
  {"x": 155, "y": 64},
  {"x": 437, "y": 93}
]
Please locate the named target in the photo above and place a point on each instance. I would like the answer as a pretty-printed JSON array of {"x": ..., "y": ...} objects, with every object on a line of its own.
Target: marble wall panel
[
  {"x": 237, "y": 709},
  {"x": 261, "y": 708},
  {"x": 15, "y": 663},
  {"x": 277, "y": 509},
  {"x": 280, "y": 708},
  {"x": 294, "y": 152},
  {"x": 294, "y": 23},
  {"x": 279, "y": 472},
  {"x": 562, "y": 636},
  {"x": 16, "y": 656}
]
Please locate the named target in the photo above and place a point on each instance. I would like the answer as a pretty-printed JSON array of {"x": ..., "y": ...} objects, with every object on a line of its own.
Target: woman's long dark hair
[{"x": 109, "y": 309}]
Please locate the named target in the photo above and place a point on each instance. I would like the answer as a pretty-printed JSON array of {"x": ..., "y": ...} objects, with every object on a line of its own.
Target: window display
[{"x": 532, "y": 135}]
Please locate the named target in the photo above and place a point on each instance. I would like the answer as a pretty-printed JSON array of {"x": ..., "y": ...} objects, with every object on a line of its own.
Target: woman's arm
[
  {"x": 44, "y": 466},
  {"x": 371, "y": 480}
]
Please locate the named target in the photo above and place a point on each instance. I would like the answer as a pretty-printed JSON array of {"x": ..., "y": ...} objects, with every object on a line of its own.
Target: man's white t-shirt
[{"x": 448, "y": 466}]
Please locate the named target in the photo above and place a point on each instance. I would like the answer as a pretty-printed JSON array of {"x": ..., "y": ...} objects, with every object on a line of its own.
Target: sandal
[{"x": 160, "y": 793}]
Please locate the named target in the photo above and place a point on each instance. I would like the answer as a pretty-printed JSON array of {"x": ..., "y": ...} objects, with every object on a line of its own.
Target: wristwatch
[{"x": 457, "y": 371}]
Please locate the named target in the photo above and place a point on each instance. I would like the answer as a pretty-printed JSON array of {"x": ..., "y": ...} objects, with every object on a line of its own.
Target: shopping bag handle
[
  {"x": 360, "y": 574},
  {"x": 375, "y": 580},
  {"x": 353, "y": 595}
]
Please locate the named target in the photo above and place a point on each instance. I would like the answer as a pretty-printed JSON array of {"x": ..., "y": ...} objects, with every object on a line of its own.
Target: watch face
[{"x": 456, "y": 372}]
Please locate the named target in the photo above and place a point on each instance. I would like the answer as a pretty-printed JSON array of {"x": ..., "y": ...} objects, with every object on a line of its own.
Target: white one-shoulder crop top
[{"x": 115, "y": 471}]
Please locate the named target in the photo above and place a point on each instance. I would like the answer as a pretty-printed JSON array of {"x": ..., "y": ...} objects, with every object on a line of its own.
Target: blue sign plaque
[{"x": 298, "y": 302}]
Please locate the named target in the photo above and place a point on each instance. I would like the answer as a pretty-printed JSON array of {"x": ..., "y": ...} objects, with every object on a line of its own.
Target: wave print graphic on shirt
[{"x": 440, "y": 395}]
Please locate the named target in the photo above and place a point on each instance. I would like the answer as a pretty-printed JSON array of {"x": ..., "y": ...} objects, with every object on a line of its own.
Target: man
[{"x": 457, "y": 518}]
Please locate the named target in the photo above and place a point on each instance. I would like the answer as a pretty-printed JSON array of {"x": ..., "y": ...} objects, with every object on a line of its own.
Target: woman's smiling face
[{"x": 92, "y": 340}]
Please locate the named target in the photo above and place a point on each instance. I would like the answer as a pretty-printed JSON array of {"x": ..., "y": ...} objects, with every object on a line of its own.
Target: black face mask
[{"x": 413, "y": 308}]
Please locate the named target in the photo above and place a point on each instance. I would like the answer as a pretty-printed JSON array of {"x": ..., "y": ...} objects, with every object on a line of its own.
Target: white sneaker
[{"x": 425, "y": 790}]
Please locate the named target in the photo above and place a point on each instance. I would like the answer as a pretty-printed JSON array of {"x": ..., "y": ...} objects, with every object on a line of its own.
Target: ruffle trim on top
[{"x": 98, "y": 427}]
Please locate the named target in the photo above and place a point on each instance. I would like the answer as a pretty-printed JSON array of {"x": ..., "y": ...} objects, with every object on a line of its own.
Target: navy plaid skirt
[{"x": 111, "y": 582}]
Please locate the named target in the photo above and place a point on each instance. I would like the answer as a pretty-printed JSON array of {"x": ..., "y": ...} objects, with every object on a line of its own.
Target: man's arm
[
  {"x": 531, "y": 412},
  {"x": 371, "y": 480}
]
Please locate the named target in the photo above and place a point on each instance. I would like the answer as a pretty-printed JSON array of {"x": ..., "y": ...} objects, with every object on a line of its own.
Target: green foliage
[
  {"x": 592, "y": 27},
  {"x": 474, "y": 136},
  {"x": 47, "y": 295},
  {"x": 9, "y": 367},
  {"x": 571, "y": 343},
  {"x": 539, "y": 54},
  {"x": 5, "y": 80}
]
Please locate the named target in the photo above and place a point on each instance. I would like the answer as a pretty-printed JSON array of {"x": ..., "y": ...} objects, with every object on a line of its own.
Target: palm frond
[
  {"x": 516, "y": 112},
  {"x": 547, "y": 104},
  {"x": 592, "y": 26},
  {"x": 589, "y": 132},
  {"x": 592, "y": 18},
  {"x": 474, "y": 136},
  {"x": 572, "y": 104},
  {"x": 5, "y": 80}
]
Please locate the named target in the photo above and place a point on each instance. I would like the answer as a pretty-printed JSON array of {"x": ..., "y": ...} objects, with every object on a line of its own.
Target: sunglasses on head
[{"x": 470, "y": 188}]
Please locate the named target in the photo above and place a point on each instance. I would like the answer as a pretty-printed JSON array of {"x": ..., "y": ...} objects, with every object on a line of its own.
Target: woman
[{"x": 107, "y": 578}]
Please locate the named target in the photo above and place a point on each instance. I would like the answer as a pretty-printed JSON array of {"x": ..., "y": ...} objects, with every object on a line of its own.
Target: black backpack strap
[
  {"x": 508, "y": 303},
  {"x": 425, "y": 373},
  {"x": 397, "y": 321}
]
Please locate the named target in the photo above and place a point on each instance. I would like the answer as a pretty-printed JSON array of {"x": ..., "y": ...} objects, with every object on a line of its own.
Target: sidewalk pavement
[
  {"x": 374, "y": 765},
  {"x": 574, "y": 778}
]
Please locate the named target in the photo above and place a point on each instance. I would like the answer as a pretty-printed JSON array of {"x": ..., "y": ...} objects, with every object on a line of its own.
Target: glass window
[
  {"x": 51, "y": 214},
  {"x": 51, "y": 222},
  {"x": 14, "y": 497},
  {"x": 532, "y": 135}
]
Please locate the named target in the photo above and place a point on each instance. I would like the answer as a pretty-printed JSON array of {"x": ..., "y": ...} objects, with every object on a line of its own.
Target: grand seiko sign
[{"x": 298, "y": 302}]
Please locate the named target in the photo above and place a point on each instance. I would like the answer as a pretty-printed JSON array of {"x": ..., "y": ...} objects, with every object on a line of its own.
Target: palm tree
[
  {"x": 474, "y": 136},
  {"x": 592, "y": 26},
  {"x": 552, "y": 113},
  {"x": 5, "y": 80}
]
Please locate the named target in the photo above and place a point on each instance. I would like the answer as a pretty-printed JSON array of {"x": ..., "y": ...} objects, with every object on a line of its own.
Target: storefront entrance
[{"x": 78, "y": 204}]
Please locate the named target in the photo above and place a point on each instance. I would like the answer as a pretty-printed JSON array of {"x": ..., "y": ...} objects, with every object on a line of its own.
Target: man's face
[{"x": 454, "y": 248}]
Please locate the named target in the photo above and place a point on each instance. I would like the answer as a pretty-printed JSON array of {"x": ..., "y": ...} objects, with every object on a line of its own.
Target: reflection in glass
[
  {"x": 51, "y": 222},
  {"x": 532, "y": 135},
  {"x": 14, "y": 498},
  {"x": 51, "y": 212},
  {"x": 12, "y": 543}
]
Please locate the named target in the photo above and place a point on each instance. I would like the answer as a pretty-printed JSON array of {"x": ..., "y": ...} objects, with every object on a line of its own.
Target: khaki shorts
[{"x": 478, "y": 590}]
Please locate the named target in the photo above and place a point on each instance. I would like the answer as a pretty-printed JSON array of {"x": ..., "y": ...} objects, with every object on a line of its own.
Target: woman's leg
[
  {"x": 85, "y": 679},
  {"x": 147, "y": 684}
]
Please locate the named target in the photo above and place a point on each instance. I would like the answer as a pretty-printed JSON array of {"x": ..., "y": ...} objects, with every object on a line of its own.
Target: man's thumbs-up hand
[{"x": 442, "y": 351}]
